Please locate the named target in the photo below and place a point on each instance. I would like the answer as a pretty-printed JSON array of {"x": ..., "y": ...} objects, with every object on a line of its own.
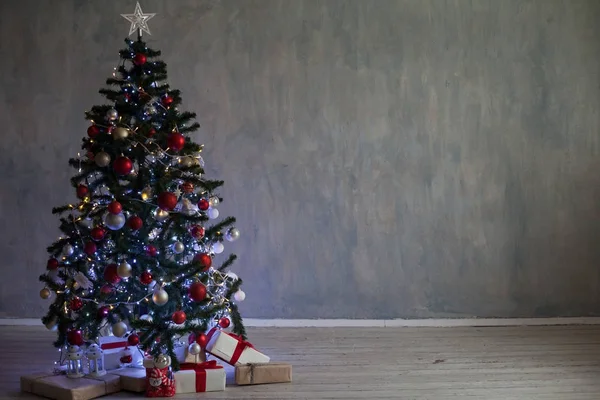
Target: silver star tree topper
[{"x": 139, "y": 20}]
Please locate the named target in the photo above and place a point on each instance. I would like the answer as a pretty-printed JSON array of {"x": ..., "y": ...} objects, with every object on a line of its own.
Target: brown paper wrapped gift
[
  {"x": 255, "y": 374},
  {"x": 59, "y": 387},
  {"x": 132, "y": 379}
]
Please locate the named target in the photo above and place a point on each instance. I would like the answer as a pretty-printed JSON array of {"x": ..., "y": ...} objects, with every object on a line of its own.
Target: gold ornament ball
[
  {"x": 161, "y": 215},
  {"x": 124, "y": 270},
  {"x": 160, "y": 297},
  {"x": 44, "y": 293},
  {"x": 102, "y": 159},
  {"x": 120, "y": 133},
  {"x": 146, "y": 193},
  {"x": 187, "y": 161},
  {"x": 119, "y": 329}
]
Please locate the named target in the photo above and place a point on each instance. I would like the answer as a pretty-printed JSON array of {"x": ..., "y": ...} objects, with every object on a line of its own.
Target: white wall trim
[{"x": 379, "y": 323}]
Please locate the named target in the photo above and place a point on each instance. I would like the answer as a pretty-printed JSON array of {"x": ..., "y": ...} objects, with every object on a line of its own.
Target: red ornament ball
[
  {"x": 197, "y": 291},
  {"x": 106, "y": 289},
  {"x": 151, "y": 250},
  {"x": 224, "y": 322},
  {"x": 74, "y": 337},
  {"x": 110, "y": 274},
  {"x": 204, "y": 260},
  {"x": 82, "y": 191},
  {"x": 103, "y": 312},
  {"x": 52, "y": 264},
  {"x": 176, "y": 141},
  {"x": 122, "y": 165},
  {"x": 90, "y": 248},
  {"x": 76, "y": 304},
  {"x": 202, "y": 340},
  {"x": 178, "y": 317},
  {"x": 115, "y": 207},
  {"x": 133, "y": 339},
  {"x": 187, "y": 187},
  {"x": 146, "y": 278},
  {"x": 167, "y": 201},
  {"x": 197, "y": 231},
  {"x": 97, "y": 233},
  {"x": 126, "y": 359},
  {"x": 135, "y": 223},
  {"x": 166, "y": 101},
  {"x": 151, "y": 132},
  {"x": 203, "y": 204},
  {"x": 93, "y": 131},
  {"x": 140, "y": 59}
]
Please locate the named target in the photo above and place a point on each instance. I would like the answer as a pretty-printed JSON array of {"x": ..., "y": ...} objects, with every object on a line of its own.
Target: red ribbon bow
[{"x": 200, "y": 370}]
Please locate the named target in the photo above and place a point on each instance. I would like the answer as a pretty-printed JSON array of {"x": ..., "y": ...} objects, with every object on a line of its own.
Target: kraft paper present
[
  {"x": 59, "y": 387},
  {"x": 256, "y": 374},
  {"x": 233, "y": 350},
  {"x": 132, "y": 379}
]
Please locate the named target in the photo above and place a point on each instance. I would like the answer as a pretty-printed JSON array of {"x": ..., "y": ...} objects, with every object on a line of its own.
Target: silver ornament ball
[
  {"x": 146, "y": 318},
  {"x": 124, "y": 270},
  {"x": 212, "y": 213},
  {"x": 112, "y": 114},
  {"x": 194, "y": 349},
  {"x": 67, "y": 250},
  {"x": 102, "y": 159},
  {"x": 160, "y": 297},
  {"x": 218, "y": 247},
  {"x": 119, "y": 329},
  {"x": 213, "y": 201},
  {"x": 232, "y": 234},
  {"x": 240, "y": 295},
  {"x": 114, "y": 221},
  {"x": 178, "y": 247},
  {"x": 120, "y": 133}
]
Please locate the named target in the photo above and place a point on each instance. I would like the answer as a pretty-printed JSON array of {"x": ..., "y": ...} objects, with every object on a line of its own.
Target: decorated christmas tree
[{"x": 136, "y": 258}]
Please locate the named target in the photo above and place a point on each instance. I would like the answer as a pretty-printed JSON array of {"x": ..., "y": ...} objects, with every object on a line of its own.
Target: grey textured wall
[{"x": 384, "y": 158}]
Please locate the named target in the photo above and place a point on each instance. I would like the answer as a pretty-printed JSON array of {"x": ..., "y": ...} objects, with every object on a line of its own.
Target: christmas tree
[{"x": 135, "y": 258}]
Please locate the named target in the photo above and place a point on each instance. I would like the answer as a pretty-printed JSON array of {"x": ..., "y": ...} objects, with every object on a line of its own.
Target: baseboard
[{"x": 379, "y": 323}]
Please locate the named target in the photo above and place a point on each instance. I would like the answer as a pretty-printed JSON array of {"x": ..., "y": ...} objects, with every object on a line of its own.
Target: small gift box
[
  {"x": 59, "y": 387},
  {"x": 132, "y": 379},
  {"x": 195, "y": 378},
  {"x": 233, "y": 349},
  {"x": 255, "y": 374},
  {"x": 117, "y": 353}
]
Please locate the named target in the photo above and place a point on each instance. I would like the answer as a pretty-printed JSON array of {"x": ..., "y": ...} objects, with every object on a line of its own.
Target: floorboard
[{"x": 551, "y": 363}]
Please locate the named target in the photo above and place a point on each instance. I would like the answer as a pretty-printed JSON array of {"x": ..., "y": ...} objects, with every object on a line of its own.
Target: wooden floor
[{"x": 386, "y": 363}]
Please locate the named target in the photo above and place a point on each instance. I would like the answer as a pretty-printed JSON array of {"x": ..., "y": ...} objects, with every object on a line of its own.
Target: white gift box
[
  {"x": 206, "y": 377},
  {"x": 113, "y": 347},
  {"x": 233, "y": 350}
]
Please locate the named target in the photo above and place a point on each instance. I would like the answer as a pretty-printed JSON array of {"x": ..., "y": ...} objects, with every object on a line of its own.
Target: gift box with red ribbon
[
  {"x": 232, "y": 349},
  {"x": 115, "y": 355},
  {"x": 204, "y": 377}
]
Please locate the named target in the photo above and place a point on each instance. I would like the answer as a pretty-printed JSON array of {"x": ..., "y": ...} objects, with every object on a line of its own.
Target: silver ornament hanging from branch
[
  {"x": 102, "y": 159},
  {"x": 112, "y": 114}
]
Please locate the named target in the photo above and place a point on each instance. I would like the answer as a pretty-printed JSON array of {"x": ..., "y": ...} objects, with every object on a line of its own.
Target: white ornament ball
[
  {"x": 161, "y": 215},
  {"x": 232, "y": 275},
  {"x": 240, "y": 295},
  {"x": 67, "y": 250},
  {"x": 112, "y": 114},
  {"x": 232, "y": 234},
  {"x": 194, "y": 349},
  {"x": 102, "y": 159},
  {"x": 212, "y": 213},
  {"x": 114, "y": 221},
  {"x": 160, "y": 297},
  {"x": 146, "y": 318},
  {"x": 178, "y": 247},
  {"x": 120, "y": 133},
  {"x": 218, "y": 247},
  {"x": 213, "y": 201},
  {"x": 119, "y": 329},
  {"x": 124, "y": 270}
]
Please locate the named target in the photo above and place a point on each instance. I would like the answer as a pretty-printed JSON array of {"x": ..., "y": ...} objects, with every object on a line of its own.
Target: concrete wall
[{"x": 384, "y": 158}]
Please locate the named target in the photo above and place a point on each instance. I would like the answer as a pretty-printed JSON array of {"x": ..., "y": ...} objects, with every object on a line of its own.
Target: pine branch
[
  {"x": 218, "y": 227},
  {"x": 230, "y": 260}
]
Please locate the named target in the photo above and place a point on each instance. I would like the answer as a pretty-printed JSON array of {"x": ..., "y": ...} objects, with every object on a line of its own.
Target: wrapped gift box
[
  {"x": 232, "y": 349},
  {"x": 113, "y": 350},
  {"x": 255, "y": 374},
  {"x": 59, "y": 387},
  {"x": 132, "y": 379},
  {"x": 205, "y": 377}
]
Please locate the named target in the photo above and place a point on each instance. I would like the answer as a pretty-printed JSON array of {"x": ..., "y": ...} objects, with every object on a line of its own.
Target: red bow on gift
[
  {"x": 200, "y": 370},
  {"x": 239, "y": 348}
]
